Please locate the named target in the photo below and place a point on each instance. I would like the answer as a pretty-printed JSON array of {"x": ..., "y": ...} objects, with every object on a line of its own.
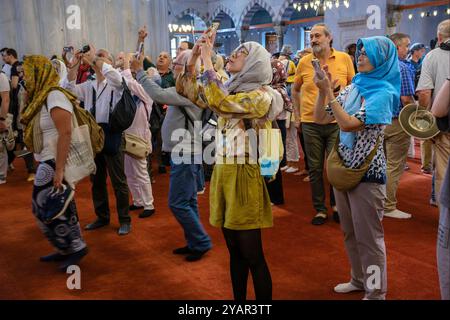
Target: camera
[
  {"x": 85, "y": 49},
  {"x": 68, "y": 49}
]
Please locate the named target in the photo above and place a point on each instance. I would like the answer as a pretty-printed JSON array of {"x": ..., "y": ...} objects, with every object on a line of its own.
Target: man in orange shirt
[{"x": 319, "y": 139}]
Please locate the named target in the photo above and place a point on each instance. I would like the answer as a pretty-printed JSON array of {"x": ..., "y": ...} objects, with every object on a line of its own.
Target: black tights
[{"x": 246, "y": 253}]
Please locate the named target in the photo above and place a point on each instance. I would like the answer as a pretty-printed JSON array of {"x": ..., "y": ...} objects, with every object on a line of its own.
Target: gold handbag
[
  {"x": 343, "y": 178},
  {"x": 136, "y": 147}
]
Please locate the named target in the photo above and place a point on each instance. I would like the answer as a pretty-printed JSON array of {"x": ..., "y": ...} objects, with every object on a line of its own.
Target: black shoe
[
  {"x": 184, "y": 250},
  {"x": 124, "y": 229},
  {"x": 147, "y": 213},
  {"x": 195, "y": 255},
  {"x": 336, "y": 217},
  {"x": 319, "y": 219},
  {"x": 135, "y": 208},
  {"x": 53, "y": 257},
  {"x": 162, "y": 169},
  {"x": 73, "y": 259},
  {"x": 96, "y": 225}
]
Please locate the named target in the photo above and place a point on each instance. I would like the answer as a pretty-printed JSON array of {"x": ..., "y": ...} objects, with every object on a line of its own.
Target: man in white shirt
[
  {"x": 6, "y": 67},
  {"x": 4, "y": 106},
  {"x": 435, "y": 71},
  {"x": 100, "y": 96}
]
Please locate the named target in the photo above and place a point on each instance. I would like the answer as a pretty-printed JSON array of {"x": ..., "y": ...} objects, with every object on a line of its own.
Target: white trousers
[{"x": 139, "y": 182}]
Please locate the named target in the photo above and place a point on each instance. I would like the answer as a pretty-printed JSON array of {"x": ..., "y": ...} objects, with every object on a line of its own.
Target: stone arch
[
  {"x": 250, "y": 10},
  {"x": 191, "y": 12},
  {"x": 221, "y": 8}
]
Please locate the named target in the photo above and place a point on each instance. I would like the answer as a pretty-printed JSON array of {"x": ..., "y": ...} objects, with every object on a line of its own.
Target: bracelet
[{"x": 332, "y": 101}]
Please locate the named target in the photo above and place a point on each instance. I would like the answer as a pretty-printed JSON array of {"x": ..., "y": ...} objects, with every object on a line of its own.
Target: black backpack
[
  {"x": 122, "y": 116},
  {"x": 209, "y": 124}
]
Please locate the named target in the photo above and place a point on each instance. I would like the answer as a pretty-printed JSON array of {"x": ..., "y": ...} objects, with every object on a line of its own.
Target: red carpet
[{"x": 305, "y": 261}]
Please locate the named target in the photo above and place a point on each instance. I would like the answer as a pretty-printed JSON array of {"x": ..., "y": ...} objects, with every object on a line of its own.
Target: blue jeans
[
  {"x": 200, "y": 178},
  {"x": 183, "y": 203}
]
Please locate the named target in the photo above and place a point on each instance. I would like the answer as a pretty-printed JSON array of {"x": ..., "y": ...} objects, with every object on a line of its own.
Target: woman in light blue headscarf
[{"x": 362, "y": 110}]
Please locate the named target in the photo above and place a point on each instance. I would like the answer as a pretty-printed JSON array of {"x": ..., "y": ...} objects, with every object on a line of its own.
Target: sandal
[{"x": 320, "y": 219}]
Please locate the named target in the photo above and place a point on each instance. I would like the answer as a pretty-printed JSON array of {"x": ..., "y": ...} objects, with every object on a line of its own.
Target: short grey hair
[
  {"x": 326, "y": 29},
  {"x": 398, "y": 37},
  {"x": 444, "y": 29}
]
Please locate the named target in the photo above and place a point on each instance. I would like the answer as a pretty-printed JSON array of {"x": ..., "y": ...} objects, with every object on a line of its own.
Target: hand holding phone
[
  {"x": 319, "y": 72},
  {"x": 140, "y": 49},
  {"x": 214, "y": 27}
]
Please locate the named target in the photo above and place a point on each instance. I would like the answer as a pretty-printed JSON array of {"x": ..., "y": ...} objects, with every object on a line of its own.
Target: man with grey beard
[{"x": 319, "y": 138}]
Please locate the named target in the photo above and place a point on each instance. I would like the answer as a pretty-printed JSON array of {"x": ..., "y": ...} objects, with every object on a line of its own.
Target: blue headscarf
[{"x": 380, "y": 87}]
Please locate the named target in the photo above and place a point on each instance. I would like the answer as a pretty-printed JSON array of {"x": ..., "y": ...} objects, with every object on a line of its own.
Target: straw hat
[{"x": 418, "y": 122}]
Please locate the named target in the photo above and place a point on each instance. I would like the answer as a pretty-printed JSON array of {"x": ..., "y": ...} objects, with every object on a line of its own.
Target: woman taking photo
[
  {"x": 362, "y": 110},
  {"x": 48, "y": 117},
  {"x": 239, "y": 201}
]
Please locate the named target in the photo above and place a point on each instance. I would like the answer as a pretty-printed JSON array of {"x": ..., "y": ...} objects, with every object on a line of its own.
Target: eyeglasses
[{"x": 242, "y": 50}]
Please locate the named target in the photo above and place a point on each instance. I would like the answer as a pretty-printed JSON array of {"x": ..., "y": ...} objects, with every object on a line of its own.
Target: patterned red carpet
[{"x": 305, "y": 261}]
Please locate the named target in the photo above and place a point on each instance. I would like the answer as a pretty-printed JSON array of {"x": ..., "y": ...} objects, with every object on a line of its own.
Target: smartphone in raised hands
[
  {"x": 140, "y": 49},
  {"x": 319, "y": 72},
  {"x": 214, "y": 27}
]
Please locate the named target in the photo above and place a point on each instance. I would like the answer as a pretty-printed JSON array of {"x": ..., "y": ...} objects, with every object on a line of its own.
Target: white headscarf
[
  {"x": 256, "y": 73},
  {"x": 257, "y": 70}
]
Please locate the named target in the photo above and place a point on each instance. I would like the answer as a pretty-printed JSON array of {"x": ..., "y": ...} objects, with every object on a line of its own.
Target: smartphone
[
  {"x": 214, "y": 27},
  {"x": 317, "y": 68},
  {"x": 140, "y": 50},
  {"x": 68, "y": 49}
]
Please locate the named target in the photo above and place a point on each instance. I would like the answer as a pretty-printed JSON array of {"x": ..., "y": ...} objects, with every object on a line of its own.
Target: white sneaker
[
  {"x": 284, "y": 168},
  {"x": 2, "y": 181},
  {"x": 433, "y": 203},
  {"x": 291, "y": 170},
  {"x": 346, "y": 288},
  {"x": 397, "y": 214}
]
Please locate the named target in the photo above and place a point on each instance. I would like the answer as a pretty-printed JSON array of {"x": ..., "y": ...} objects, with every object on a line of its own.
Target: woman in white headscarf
[{"x": 239, "y": 201}]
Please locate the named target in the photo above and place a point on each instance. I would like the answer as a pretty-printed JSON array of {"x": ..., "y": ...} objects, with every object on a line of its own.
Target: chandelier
[
  {"x": 181, "y": 28},
  {"x": 319, "y": 5}
]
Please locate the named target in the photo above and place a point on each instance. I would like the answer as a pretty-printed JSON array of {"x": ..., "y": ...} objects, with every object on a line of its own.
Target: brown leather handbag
[{"x": 343, "y": 178}]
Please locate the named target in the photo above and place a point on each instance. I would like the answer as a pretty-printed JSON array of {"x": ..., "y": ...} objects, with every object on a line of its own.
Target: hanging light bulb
[
  {"x": 346, "y": 3},
  {"x": 317, "y": 3},
  {"x": 311, "y": 4},
  {"x": 435, "y": 13},
  {"x": 410, "y": 16},
  {"x": 295, "y": 6},
  {"x": 324, "y": 6},
  {"x": 306, "y": 5},
  {"x": 170, "y": 28},
  {"x": 448, "y": 10},
  {"x": 337, "y": 4},
  {"x": 330, "y": 5},
  {"x": 299, "y": 7},
  {"x": 422, "y": 14}
]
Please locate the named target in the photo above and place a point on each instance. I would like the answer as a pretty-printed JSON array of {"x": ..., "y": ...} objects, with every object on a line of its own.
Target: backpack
[
  {"x": 122, "y": 116},
  {"x": 209, "y": 124}
]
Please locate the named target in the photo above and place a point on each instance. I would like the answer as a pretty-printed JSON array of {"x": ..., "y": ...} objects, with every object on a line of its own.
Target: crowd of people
[{"x": 339, "y": 110}]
